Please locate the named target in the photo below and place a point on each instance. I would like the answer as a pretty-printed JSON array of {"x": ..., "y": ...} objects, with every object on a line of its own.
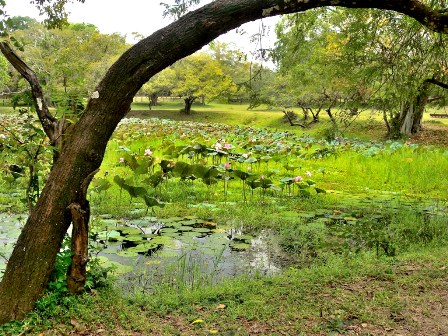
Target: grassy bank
[{"x": 356, "y": 296}]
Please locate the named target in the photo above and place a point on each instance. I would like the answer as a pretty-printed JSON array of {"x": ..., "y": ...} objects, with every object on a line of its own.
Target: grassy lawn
[{"x": 356, "y": 227}]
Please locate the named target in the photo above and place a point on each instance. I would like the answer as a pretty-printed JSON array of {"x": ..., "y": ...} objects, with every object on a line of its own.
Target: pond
[
  {"x": 198, "y": 249},
  {"x": 149, "y": 243}
]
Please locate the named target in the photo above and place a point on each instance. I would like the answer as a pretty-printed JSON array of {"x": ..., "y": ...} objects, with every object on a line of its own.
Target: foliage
[
  {"x": 161, "y": 84},
  {"x": 367, "y": 55},
  {"x": 26, "y": 154},
  {"x": 178, "y": 8},
  {"x": 197, "y": 149},
  {"x": 57, "y": 293},
  {"x": 199, "y": 76},
  {"x": 69, "y": 77}
]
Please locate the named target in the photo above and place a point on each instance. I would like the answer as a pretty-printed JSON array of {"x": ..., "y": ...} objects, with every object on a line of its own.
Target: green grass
[
  {"x": 364, "y": 292},
  {"x": 366, "y": 126}
]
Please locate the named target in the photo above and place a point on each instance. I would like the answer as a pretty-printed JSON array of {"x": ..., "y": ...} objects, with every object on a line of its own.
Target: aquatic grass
[{"x": 415, "y": 171}]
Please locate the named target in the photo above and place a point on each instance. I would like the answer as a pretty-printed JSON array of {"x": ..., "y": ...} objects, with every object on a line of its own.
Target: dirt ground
[{"x": 432, "y": 135}]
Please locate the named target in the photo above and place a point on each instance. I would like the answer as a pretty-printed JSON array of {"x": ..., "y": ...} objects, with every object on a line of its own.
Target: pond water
[
  {"x": 151, "y": 244},
  {"x": 196, "y": 248},
  {"x": 208, "y": 248}
]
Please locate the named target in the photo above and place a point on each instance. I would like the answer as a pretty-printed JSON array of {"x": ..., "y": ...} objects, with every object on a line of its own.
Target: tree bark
[
  {"x": 188, "y": 103},
  {"x": 409, "y": 121},
  {"x": 28, "y": 270},
  {"x": 153, "y": 100},
  {"x": 76, "y": 277}
]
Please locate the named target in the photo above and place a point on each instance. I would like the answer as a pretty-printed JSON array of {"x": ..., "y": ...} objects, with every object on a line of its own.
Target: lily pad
[
  {"x": 164, "y": 240},
  {"x": 209, "y": 224},
  {"x": 236, "y": 246},
  {"x": 171, "y": 219},
  {"x": 127, "y": 253},
  {"x": 144, "y": 248},
  {"x": 202, "y": 230},
  {"x": 133, "y": 238},
  {"x": 110, "y": 235},
  {"x": 193, "y": 234},
  {"x": 169, "y": 230},
  {"x": 188, "y": 222},
  {"x": 242, "y": 238},
  {"x": 117, "y": 268},
  {"x": 126, "y": 230}
]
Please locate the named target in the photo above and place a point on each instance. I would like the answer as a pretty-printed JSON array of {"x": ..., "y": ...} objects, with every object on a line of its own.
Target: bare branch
[
  {"x": 46, "y": 118},
  {"x": 438, "y": 83}
]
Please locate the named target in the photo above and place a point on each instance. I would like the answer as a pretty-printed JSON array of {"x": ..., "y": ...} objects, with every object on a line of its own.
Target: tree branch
[
  {"x": 436, "y": 20},
  {"x": 438, "y": 83},
  {"x": 47, "y": 120}
]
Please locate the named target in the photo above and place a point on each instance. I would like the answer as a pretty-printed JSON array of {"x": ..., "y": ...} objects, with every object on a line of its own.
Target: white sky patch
[{"x": 140, "y": 16}]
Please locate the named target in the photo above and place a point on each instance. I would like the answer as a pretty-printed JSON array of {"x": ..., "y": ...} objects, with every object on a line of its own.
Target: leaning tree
[{"x": 81, "y": 146}]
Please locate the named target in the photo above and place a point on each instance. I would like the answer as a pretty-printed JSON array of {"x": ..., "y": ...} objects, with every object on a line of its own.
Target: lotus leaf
[
  {"x": 243, "y": 238},
  {"x": 239, "y": 246},
  {"x": 117, "y": 268},
  {"x": 202, "y": 230},
  {"x": 127, "y": 230},
  {"x": 134, "y": 238}
]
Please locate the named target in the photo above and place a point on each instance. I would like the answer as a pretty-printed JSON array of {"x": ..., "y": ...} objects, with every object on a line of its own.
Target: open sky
[{"x": 140, "y": 16}]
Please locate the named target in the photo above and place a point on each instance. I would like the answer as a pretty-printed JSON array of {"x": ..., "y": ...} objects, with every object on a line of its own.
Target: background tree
[
  {"x": 4, "y": 74},
  {"x": 199, "y": 76},
  {"x": 69, "y": 61},
  {"x": 234, "y": 64},
  {"x": 363, "y": 58},
  {"x": 161, "y": 84},
  {"x": 63, "y": 199}
]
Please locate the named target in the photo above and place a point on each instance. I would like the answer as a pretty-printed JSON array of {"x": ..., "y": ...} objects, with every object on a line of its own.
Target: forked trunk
[{"x": 409, "y": 121}]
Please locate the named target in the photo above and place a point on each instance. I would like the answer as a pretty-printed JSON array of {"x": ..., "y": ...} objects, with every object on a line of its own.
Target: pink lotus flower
[
  {"x": 148, "y": 152},
  {"x": 298, "y": 179},
  {"x": 218, "y": 146},
  {"x": 227, "y": 146},
  {"x": 308, "y": 173},
  {"x": 227, "y": 165},
  {"x": 121, "y": 160}
]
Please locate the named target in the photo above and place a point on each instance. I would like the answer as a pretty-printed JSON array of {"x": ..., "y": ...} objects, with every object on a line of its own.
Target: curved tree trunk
[{"x": 81, "y": 154}]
